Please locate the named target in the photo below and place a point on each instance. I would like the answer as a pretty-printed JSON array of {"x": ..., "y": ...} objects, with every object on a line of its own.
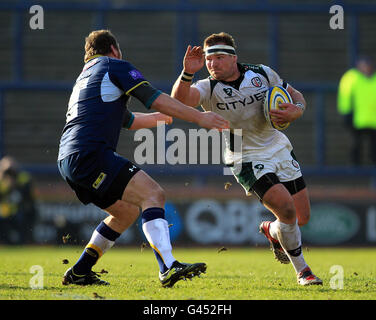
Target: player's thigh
[
  {"x": 280, "y": 202},
  {"x": 299, "y": 193},
  {"x": 255, "y": 177},
  {"x": 302, "y": 206},
  {"x": 144, "y": 191}
]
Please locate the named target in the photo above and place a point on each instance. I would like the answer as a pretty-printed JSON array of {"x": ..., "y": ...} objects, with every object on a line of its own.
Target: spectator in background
[
  {"x": 17, "y": 209},
  {"x": 357, "y": 103}
]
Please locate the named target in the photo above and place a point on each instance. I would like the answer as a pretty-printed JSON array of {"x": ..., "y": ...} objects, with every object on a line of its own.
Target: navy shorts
[{"x": 97, "y": 177}]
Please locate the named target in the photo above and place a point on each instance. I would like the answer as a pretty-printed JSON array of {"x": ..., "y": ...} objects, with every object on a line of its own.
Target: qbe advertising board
[{"x": 213, "y": 222}]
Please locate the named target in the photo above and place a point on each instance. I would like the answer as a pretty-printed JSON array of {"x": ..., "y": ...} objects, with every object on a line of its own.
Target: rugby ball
[{"x": 273, "y": 97}]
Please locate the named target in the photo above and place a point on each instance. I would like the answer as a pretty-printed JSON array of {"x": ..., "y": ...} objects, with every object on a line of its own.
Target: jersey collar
[
  {"x": 93, "y": 57},
  {"x": 236, "y": 83}
]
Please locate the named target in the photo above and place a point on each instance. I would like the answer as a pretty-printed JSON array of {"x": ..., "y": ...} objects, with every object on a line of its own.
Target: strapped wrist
[{"x": 187, "y": 77}]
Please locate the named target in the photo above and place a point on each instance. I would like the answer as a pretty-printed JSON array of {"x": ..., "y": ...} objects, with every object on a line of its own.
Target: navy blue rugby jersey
[{"x": 97, "y": 108}]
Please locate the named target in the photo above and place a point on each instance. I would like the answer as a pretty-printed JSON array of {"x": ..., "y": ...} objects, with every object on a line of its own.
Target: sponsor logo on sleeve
[{"x": 135, "y": 74}]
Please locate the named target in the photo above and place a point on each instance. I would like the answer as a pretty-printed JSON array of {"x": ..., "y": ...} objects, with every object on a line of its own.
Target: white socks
[
  {"x": 99, "y": 243},
  {"x": 102, "y": 239},
  {"x": 289, "y": 237},
  {"x": 158, "y": 236}
]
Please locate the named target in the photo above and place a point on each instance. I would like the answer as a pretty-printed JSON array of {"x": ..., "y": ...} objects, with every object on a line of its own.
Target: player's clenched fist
[
  {"x": 288, "y": 113},
  {"x": 163, "y": 117}
]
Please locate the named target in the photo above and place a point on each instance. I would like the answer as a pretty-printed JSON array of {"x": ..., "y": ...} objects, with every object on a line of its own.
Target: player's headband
[{"x": 220, "y": 49}]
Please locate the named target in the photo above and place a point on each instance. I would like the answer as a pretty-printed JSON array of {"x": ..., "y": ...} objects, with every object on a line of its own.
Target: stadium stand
[{"x": 41, "y": 65}]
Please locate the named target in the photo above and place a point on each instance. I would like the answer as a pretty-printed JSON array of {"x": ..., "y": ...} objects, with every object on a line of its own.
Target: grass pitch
[{"x": 233, "y": 274}]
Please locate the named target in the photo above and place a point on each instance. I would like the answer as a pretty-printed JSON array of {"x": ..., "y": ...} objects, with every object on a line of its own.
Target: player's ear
[{"x": 116, "y": 52}]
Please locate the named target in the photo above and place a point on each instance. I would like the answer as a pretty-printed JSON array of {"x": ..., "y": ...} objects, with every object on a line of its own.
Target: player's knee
[
  {"x": 161, "y": 195},
  {"x": 303, "y": 218},
  {"x": 287, "y": 211}
]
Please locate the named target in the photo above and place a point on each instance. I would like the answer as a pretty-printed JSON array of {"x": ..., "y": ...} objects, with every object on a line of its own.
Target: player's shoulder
[
  {"x": 205, "y": 86},
  {"x": 204, "y": 82},
  {"x": 122, "y": 69},
  {"x": 252, "y": 66},
  {"x": 256, "y": 68},
  {"x": 119, "y": 64}
]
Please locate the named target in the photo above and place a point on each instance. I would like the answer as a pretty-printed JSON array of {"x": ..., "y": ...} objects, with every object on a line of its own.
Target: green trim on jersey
[
  {"x": 213, "y": 82},
  {"x": 246, "y": 177},
  {"x": 256, "y": 68}
]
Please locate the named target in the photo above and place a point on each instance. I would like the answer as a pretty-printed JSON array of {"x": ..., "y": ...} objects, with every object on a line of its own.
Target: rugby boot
[
  {"x": 84, "y": 280},
  {"x": 306, "y": 278},
  {"x": 181, "y": 271},
  {"x": 275, "y": 246}
]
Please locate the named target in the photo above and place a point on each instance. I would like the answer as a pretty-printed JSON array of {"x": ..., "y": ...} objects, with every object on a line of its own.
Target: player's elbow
[
  {"x": 298, "y": 96},
  {"x": 188, "y": 96}
]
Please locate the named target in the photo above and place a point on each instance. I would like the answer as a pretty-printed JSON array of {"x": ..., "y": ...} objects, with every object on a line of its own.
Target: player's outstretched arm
[
  {"x": 170, "y": 106},
  {"x": 148, "y": 120},
  {"x": 183, "y": 92}
]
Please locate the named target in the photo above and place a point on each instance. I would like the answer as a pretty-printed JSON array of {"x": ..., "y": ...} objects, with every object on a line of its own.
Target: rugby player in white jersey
[{"x": 267, "y": 166}]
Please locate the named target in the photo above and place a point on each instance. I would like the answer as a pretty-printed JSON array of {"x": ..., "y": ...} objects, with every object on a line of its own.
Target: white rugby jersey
[{"x": 243, "y": 108}]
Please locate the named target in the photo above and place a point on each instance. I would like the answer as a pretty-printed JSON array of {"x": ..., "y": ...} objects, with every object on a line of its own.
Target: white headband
[{"x": 220, "y": 49}]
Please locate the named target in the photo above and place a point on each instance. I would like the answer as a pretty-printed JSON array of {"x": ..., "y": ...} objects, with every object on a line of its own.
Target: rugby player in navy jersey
[{"x": 89, "y": 163}]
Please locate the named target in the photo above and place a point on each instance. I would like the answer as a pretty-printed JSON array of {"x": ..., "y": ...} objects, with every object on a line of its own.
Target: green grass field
[{"x": 234, "y": 274}]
